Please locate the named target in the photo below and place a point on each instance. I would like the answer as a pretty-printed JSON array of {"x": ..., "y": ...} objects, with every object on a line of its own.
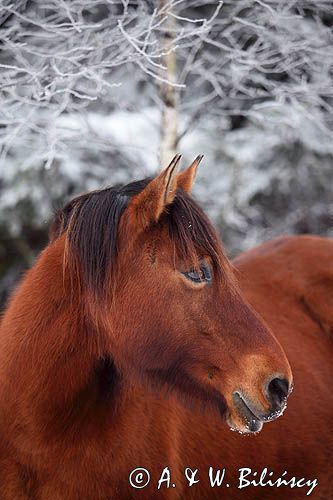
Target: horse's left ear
[
  {"x": 147, "y": 207},
  {"x": 185, "y": 180}
]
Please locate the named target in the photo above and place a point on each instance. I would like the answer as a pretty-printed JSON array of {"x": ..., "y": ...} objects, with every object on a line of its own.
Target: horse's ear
[
  {"x": 186, "y": 179},
  {"x": 147, "y": 207}
]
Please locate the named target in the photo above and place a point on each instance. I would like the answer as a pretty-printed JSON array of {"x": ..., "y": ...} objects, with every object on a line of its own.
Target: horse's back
[
  {"x": 289, "y": 281},
  {"x": 292, "y": 278}
]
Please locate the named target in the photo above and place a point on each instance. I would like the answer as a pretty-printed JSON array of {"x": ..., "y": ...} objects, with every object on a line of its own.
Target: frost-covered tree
[
  {"x": 66, "y": 69},
  {"x": 97, "y": 92}
]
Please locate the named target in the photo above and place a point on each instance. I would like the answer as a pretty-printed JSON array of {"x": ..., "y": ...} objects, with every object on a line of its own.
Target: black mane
[{"x": 91, "y": 223}]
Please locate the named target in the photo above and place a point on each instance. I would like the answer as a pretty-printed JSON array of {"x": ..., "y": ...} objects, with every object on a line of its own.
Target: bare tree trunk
[{"x": 168, "y": 92}]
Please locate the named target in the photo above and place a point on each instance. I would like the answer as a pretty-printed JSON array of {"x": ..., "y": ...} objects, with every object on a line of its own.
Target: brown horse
[{"x": 129, "y": 343}]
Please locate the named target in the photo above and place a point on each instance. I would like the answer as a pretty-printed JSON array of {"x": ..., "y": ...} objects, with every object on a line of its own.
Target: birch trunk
[{"x": 168, "y": 93}]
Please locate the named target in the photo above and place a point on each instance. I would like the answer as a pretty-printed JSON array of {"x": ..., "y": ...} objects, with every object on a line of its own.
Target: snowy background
[{"x": 99, "y": 92}]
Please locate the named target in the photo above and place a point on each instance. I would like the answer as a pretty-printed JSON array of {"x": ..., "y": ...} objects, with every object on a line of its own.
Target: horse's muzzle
[{"x": 277, "y": 391}]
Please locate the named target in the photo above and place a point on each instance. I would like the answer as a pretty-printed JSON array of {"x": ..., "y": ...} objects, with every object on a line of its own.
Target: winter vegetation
[{"x": 100, "y": 92}]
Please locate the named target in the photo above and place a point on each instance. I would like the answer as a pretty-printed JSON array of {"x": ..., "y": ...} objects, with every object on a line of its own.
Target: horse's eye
[{"x": 203, "y": 274}]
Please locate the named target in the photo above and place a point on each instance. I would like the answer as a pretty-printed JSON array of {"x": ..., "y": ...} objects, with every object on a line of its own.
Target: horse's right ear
[
  {"x": 185, "y": 179},
  {"x": 147, "y": 207}
]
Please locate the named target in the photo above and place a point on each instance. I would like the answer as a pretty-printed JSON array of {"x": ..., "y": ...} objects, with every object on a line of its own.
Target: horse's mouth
[
  {"x": 252, "y": 420},
  {"x": 253, "y": 423}
]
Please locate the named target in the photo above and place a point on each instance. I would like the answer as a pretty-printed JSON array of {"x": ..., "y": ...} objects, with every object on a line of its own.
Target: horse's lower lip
[{"x": 253, "y": 422}]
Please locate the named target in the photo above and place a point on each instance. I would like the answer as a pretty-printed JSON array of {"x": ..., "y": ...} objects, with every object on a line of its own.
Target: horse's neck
[
  {"x": 61, "y": 397},
  {"x": 53, "y": 364}
]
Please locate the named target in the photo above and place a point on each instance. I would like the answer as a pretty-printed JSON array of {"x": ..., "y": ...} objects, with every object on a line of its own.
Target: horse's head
[{"x": 166, "y": 298}]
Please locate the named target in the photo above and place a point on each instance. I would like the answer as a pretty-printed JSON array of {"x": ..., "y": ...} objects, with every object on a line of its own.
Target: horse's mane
[{"x": 91, "y": 223}]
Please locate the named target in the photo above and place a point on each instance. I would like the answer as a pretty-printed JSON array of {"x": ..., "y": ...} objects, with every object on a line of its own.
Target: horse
[{"x": 133, "y": 345}]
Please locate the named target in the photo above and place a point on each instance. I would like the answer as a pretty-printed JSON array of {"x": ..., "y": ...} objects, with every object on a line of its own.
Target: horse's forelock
[{"x": 91, "y": 223}]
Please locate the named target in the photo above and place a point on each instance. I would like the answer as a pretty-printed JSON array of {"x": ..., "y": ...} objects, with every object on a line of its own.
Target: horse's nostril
[{"x": 278, "y": 389}]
